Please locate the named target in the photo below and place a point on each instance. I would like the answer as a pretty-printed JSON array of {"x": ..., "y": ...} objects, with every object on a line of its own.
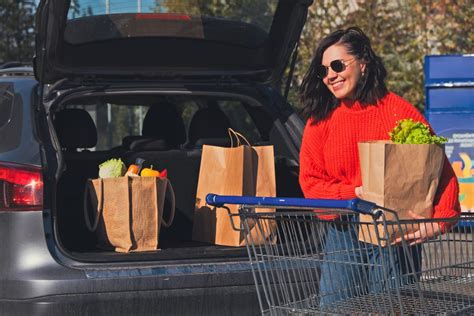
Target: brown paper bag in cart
[
  {"x": 400, "y": 177},
  {"x": 128, "y": 211},
  {"x": 242, "y": 170}
]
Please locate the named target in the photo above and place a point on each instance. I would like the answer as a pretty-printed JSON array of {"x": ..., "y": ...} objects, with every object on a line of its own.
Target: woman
[{"x": 346, "y": 102}]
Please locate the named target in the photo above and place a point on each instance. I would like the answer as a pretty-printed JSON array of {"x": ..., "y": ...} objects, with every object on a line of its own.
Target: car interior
[{"x": 168, "y": 133}]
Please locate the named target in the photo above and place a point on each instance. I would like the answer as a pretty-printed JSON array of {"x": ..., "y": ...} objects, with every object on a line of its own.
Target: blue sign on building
[{"x": 449, "y": 90}]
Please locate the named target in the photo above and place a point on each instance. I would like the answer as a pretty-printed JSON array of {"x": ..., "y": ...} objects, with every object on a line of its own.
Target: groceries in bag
[
  {"x": 240, "y": 170},
  {"x": 401, "y": 174},
  {"x": 127, "y": 211}
]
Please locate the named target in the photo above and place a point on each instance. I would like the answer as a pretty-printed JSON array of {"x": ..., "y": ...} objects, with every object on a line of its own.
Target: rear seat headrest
[
  {"x": 208, "y": 123},
  {"x": 163, "y": 121},
  {"x": 75, "y": 129}
]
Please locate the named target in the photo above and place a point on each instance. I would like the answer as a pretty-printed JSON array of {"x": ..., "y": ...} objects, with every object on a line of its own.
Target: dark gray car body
[{"x": 38, "y": 278}]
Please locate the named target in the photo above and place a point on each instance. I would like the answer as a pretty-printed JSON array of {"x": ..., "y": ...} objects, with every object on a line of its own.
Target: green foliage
[
  {"x": 256, "y": 12},
  {"x": 408, "y": 131},
  {"x": 112, "y": 168},
  {"x": 16, "y": 30},
  {"x": 402, "y": 33}
]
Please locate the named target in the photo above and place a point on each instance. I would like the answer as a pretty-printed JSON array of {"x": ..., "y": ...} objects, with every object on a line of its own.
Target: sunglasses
[{"x": 337, "y": 65}]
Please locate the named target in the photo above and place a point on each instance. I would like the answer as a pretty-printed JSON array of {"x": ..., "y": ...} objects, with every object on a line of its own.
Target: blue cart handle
[{"x": 356, "y": 205}]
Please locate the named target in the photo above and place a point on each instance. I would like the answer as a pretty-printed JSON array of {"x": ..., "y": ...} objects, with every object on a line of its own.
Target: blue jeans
[{"x": 351, "y": 268}]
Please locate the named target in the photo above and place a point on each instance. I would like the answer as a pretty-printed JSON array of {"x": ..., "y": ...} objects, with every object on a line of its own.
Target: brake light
[
  {"x": 163, "y": 16},
  {"x": 21, "y": 187}
]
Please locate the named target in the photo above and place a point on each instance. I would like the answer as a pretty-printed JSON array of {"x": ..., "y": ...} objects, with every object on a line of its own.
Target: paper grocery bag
[
  {"x": 243, "y": 170},
  {"x": 128, "y": 211},
  {"x": 400, "y": 177}
]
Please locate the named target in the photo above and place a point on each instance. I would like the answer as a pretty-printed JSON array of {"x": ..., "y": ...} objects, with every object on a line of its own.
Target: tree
[
  {"x": 17, "y": 30},
  {"x": 259, "y": 13},
  {"x": 402, "y": 33}
]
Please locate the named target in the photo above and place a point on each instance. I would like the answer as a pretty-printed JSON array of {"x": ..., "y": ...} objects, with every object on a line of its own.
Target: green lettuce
[
  {"x": 112, "y": 168},
  {"x": 408, "y": 131}
]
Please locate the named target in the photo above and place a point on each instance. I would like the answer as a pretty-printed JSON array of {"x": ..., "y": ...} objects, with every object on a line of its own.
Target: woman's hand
[
  {"x": 358, "y": 192},
  {"x": 426, "y": 231}
]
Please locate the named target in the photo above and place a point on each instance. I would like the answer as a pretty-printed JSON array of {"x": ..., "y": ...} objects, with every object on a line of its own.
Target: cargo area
[{"x": 167, "y": 132}]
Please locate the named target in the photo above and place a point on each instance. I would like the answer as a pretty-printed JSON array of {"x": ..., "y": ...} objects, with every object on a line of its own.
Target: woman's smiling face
[{"x": 343, "y": 84}]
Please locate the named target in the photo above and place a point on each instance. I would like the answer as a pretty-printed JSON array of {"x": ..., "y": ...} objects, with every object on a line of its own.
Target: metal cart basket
[{"x": 304, "y": 263}]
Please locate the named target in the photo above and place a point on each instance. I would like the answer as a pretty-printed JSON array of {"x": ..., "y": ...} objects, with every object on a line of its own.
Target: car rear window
[
  {"x": 11, "y": 118},
  {"x": 238, "y": 21},
  {"x": 6, "y": 103},
  {"x": 114, "y": 122}
]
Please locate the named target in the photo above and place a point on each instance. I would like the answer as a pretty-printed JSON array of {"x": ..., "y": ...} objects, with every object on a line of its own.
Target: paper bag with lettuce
[
  {"x": 127, "y": 208},
  {"x": 402, "y": 175}
]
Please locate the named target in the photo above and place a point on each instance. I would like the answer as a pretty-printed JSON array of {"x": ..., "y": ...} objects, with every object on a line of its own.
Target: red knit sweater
[{"x": 329, "y": 158}]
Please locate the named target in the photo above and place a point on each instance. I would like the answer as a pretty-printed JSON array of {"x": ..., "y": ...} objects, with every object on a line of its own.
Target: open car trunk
[
  {"x": 168, "y": 132},
  {"x": 85, "y": 40}
]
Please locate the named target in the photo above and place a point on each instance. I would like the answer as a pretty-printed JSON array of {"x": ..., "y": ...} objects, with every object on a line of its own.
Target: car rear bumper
[
  {"x": 33, "y": 282},
  {"x": 233, "y": 300}
]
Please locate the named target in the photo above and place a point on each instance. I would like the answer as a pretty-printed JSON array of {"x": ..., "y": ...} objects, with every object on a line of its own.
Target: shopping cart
[{"x": 304, "y": 263}]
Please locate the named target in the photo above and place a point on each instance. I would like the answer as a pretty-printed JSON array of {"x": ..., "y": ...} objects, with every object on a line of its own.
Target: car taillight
[{"x": 21, "y": 187}]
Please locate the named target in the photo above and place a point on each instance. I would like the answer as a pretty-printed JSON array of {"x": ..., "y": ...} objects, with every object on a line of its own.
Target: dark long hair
[{"x": 318, "y": 101}]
